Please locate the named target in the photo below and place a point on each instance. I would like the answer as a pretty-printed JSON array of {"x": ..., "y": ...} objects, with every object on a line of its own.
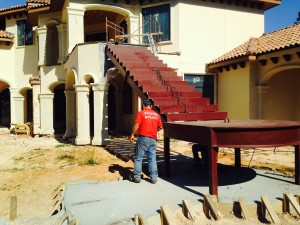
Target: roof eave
[
  {"x": 283, "y": 51},
  {"x": 229, "y": 62},
  {"x": 12, "y": 11},
  {"x": 7, "y": 40},
  {"x": 45, "y": 8},
  {"x": 270, "y": 3}
]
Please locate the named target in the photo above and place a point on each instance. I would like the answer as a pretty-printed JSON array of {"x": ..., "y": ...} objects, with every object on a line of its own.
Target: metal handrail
[
  {"x": 170, "y": 88},
  {"x": 124, "y": 36}
]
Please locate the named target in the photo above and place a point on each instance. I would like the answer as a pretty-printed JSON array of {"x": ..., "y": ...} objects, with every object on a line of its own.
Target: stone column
[
  {"x": 70, "y": 114},
  {"x": 46, "y": 104},
  {"x": 19, "y": 109},
  {"x": 133, "y": 26},
  {"x": 100, "y": 114},
  {"x": 62, "y": 42},
  {"x": 75, "y": 27},
  {"x": 42, "y": 35},
  {"x": 262, "y": 101},
  {"x": 82, "y": 114},
  {"x": 36, "y": 87}
]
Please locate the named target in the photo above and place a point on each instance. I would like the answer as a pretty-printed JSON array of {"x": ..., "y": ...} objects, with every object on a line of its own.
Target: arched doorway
[
  {"x": 5, "y": 118},
  {"x": 52, "y": 51},
  {"x": 283, "y": 96},
  {"x": 95, "y": 24},
  {"x": 28, "y": 106},
  {"x": 59, "y": 109},
  {"x": 112, "y": 108},
  {"x": 70, "y": 105},
  {"x": 91, "y": 105}
]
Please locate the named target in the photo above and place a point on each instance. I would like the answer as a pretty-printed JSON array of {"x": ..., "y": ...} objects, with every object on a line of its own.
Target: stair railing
[
  {"x": 122, "y": 36},
  {"x": 117, "y": 29},
  {"x": 170, "y": 88}
]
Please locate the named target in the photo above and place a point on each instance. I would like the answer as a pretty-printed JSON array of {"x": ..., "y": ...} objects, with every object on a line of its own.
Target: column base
[
  {"x": 46, "y": 132},
  {"x": 82, "y": 141},
  {"x": 100, "y": 141}
]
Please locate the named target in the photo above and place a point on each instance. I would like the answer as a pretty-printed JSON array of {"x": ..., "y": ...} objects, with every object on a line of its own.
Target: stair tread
[{"x": 148, "y": 71}]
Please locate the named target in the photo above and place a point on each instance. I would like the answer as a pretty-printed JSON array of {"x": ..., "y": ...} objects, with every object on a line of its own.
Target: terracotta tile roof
[
  {"x": 13, "y": 8},
  {"x": 6, "y": 36},
  {"x": 35, "y": 4},
  {"x": 31, "y": 4},
  {"x": 275, "y": 41},
  {"x": 39, "y": 1}
]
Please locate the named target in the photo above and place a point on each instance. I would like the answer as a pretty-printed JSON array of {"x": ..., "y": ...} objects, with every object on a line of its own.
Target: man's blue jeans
[{"x": 145, "y": 145}]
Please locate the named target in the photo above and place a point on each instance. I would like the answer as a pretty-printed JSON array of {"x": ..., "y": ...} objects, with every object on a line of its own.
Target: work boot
[
  {"x": 134, "y": 179},
  {"x": 153, "y": 181}
]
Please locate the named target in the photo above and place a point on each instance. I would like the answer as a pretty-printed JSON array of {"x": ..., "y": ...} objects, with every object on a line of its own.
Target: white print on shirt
[
  {"x": 150, "y": 113},
  {"x": 151, "y": 117}
]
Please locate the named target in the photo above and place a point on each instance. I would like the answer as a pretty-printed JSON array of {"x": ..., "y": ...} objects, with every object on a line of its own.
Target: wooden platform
[
  {"x": 234, "y": 134},
  {"x": 18, "y": 128}
]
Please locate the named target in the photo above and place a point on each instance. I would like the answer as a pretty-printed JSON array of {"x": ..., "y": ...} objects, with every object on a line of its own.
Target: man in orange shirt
[{"x": 147, "y": 123}]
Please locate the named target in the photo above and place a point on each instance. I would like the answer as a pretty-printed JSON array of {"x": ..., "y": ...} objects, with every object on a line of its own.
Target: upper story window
[
  {"x": 157, "y": 19},
  {"x": 2, "y": 24},
  {"x": 25, "y": 33}
]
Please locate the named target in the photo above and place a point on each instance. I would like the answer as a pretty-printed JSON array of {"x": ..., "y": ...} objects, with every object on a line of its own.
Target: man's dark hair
[{"x": 147, "y": 102}]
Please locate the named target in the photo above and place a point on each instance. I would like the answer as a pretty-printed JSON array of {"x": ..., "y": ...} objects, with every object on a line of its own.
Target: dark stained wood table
[{"x": 235, "y": 134}]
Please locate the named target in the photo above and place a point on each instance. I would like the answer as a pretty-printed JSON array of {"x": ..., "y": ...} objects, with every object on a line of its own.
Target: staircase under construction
[{"x": 173, "y": 98}]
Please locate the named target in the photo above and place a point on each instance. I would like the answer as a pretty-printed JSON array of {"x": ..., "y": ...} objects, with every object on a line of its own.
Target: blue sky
[
  {"x": 275, "y": 18},
  {"x": 282, "y": 15}
]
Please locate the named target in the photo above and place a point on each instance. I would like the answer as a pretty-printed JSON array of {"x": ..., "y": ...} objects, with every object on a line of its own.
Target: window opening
[
  {"x": 161, "y": 16},
  {"x": 202, "y": 83},
  {"x": 25, "y": 33}
]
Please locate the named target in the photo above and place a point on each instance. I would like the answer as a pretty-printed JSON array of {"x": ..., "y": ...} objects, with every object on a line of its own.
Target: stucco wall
[
  {"x": 7, "y": 66},
  {"x": 233, "y": 93},
  {"x": 206, "y": 30},
  {"x": 25, "y": 64},
  {"x": 18, "y": 63}
]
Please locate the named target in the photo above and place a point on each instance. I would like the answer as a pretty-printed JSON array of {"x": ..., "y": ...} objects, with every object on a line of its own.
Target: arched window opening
[
  {"x": 5, "y": 118},
  {"x": 59, "y": 109}
]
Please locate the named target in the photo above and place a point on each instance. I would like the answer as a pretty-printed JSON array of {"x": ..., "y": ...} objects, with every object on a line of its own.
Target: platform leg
[
  {"x": 237, "y": 157},
  {"x": 213, "y": 170},
  {"x": 297, "y": 164},
  {"x": 167, "y": 156}
]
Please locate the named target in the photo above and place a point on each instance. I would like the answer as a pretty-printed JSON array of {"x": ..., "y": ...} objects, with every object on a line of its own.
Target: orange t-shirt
[{"x": 149, "y": 122}]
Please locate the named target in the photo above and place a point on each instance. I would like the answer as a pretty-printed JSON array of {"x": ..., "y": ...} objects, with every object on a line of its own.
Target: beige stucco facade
[
  {"x": 268, "y": 91},
  {"x": 67, "y": 75}
]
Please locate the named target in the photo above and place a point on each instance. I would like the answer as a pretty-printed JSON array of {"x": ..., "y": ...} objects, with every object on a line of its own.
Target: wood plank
[
  {"x": 62, "y": 219},
  {"x": 72, "y": 222},
  {"x": 139, "y": 220},
  {"x": 188, "y": 210},
  {"x": 298, "y": 198},
  {"x": 60, "y": 188},
  {"x": 13, "y": 208},
  {"x": 57, "y": 207},
  {"x": 288, "y": 199},
  {"x": 166, "y": 216},
  {"x": 210, "y": 206},
  {"x": 266, "y": 206},
  {"x": 244, "y": 210}
]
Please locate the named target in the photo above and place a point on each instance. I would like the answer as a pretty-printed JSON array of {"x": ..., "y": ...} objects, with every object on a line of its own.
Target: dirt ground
[{"x": 31, "y": 168}]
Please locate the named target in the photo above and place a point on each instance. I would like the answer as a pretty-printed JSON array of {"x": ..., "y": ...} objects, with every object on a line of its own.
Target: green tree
[{"x": 298, "y": 18}]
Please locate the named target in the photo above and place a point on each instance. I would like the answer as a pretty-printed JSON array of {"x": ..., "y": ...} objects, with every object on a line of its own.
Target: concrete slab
[{"x": 117, "y": 202}]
